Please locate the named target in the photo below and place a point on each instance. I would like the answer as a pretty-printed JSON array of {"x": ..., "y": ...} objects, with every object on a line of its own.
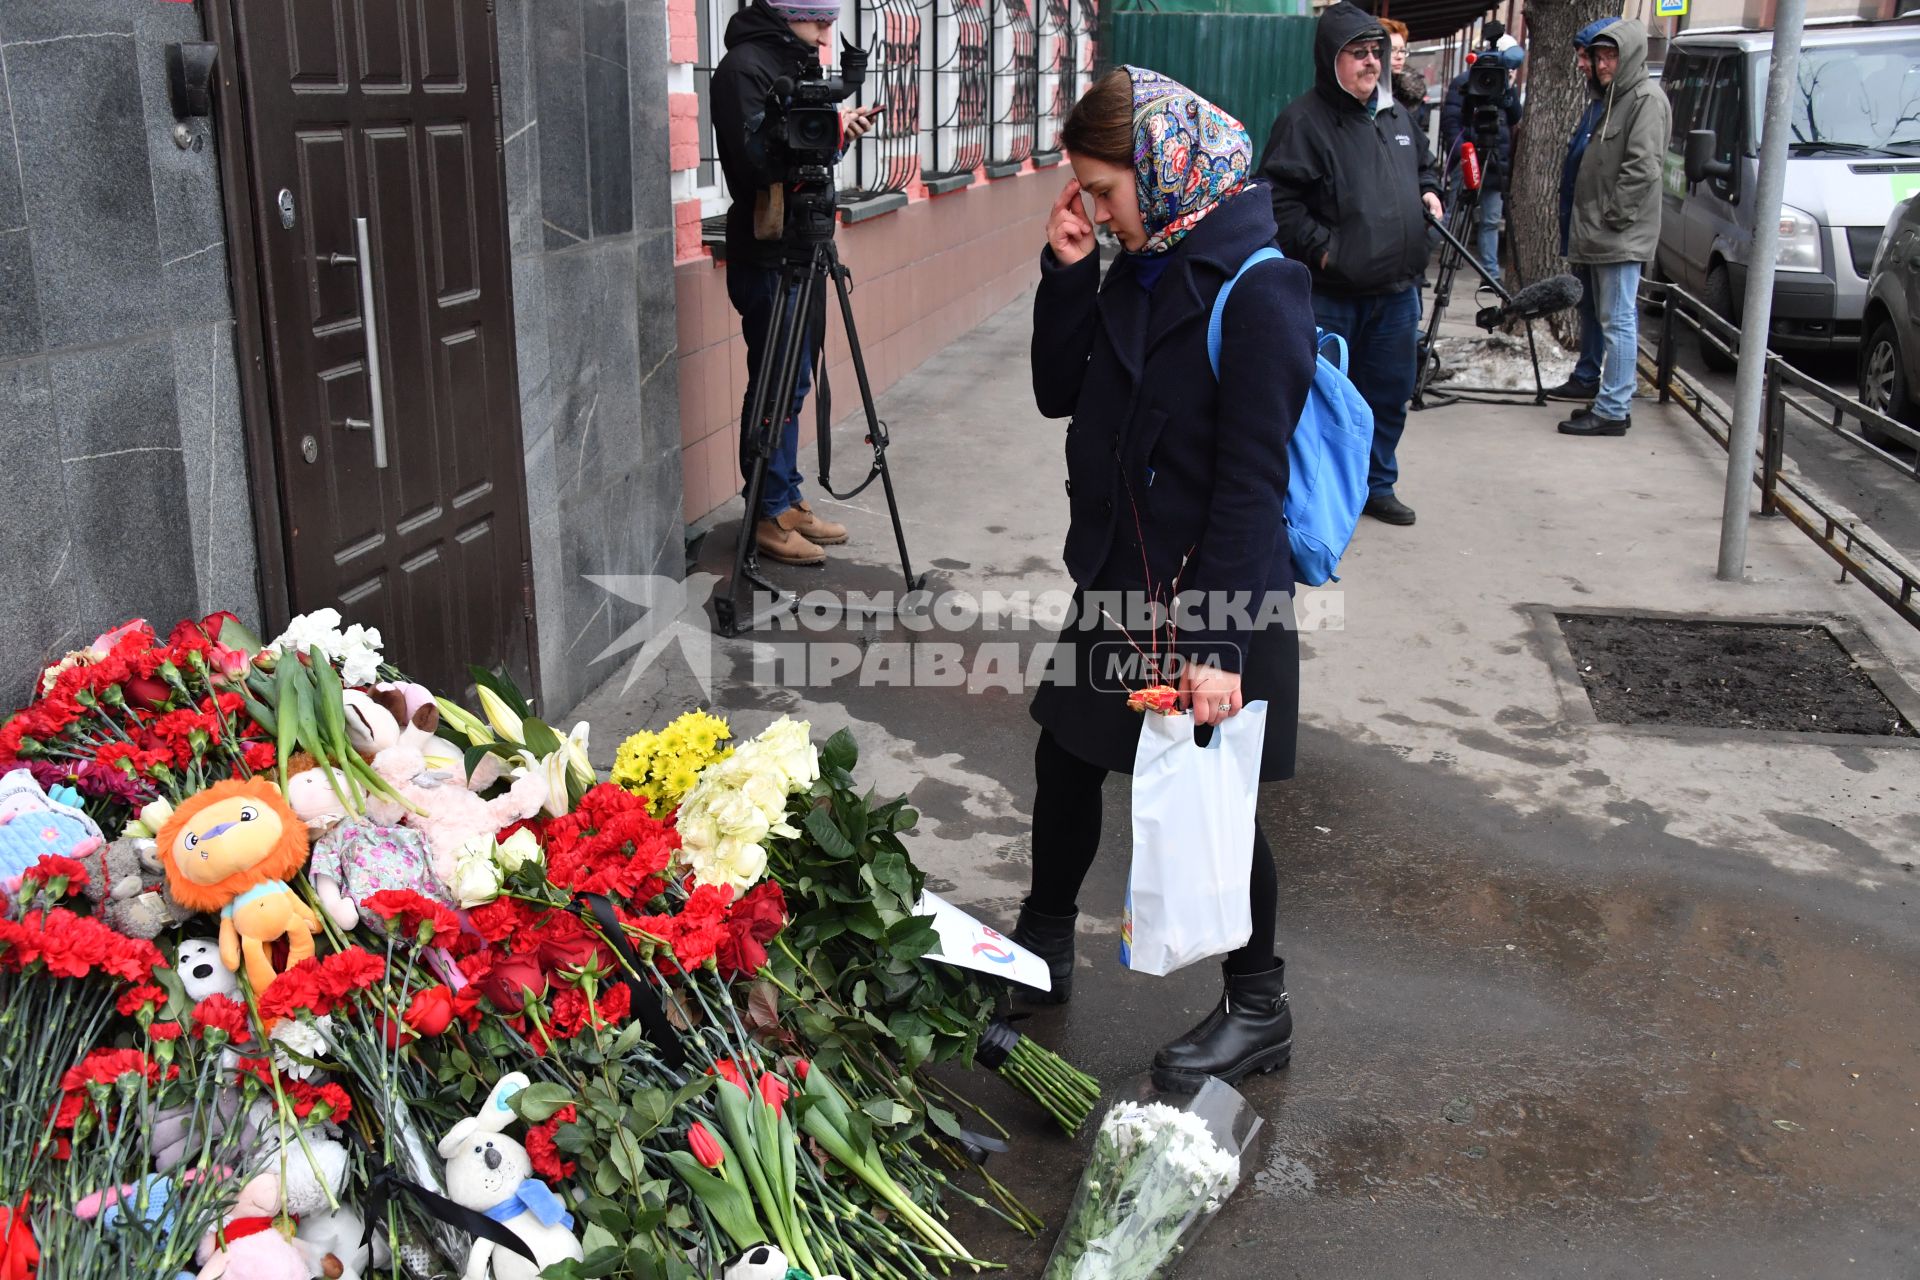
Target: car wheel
[
  {"x": 1718, "y": 295},
  {"x": 1884, "y": 384}
]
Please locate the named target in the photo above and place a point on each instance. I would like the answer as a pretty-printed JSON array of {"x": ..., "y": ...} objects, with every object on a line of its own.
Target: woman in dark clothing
[{"x": 1176, "y": 481}]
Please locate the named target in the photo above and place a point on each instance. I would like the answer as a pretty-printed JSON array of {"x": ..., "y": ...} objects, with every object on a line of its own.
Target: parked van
[{"x": 1853, "y": 153}]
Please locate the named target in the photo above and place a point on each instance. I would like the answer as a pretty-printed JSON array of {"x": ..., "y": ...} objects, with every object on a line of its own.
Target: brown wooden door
[{"x": 385, "y": 110}]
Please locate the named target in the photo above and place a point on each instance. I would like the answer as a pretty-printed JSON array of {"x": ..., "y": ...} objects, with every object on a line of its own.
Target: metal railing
[
  {"x": 1859, "y": 553},
  {"x": 1015, "y": 71},
  {"x": 962, "y": 113}
]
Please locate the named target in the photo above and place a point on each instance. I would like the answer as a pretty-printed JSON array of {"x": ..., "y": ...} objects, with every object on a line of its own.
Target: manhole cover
[{"x": 1778, "y": 677}]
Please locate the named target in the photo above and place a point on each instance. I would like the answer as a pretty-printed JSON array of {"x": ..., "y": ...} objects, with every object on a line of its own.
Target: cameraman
[
  {"x": 1457, "y": 125},
  {"x": 766, "y": 42}
]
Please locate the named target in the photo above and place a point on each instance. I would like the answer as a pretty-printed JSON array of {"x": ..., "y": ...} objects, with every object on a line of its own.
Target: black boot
[
  {"x": 1050, "y": 938},
  {"x": 1250, "y": 1031}
]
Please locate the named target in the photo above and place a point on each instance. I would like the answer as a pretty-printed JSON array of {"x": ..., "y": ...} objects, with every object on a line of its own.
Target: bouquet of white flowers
[{"x": 1157, "y": 1174}]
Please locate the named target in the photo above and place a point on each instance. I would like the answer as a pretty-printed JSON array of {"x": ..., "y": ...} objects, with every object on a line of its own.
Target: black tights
[{"x": 1066, "y": 836}]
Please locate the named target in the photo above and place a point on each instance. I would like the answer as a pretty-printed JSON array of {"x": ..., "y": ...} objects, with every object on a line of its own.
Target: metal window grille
[
  {"x": 1014, "y": 72},
  {"x": 958, "y": 97},
  {"x": 711, "y": 18},
  {"x": 888, "y": 158},
  {"x": 1056, "y": 72}
]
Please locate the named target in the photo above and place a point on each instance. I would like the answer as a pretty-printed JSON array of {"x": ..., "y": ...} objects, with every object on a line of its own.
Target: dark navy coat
[{"x": 1202, "y": 464}]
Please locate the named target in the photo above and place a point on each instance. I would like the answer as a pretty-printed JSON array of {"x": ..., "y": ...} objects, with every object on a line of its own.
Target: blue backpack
[{"x": 1328, "y": 456}]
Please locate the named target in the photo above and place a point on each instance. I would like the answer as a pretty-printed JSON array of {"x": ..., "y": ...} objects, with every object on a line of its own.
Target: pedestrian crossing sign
[{"x": 1669, "y": 8}]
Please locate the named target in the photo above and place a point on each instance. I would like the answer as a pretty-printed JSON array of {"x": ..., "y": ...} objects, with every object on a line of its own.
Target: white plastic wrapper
[{"x": 1159, "y": 1171}]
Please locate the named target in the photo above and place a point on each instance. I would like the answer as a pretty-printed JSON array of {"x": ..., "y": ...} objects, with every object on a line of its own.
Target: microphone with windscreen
[{"x": 1541, "y": 298}]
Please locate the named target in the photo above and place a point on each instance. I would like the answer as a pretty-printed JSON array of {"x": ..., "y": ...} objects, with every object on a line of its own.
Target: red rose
[
  {"x": 430, "y": 1010},
  {"x": 577, "y": 952},
  {"x": 146, "y": 693},
  {"x": 763, "y": 911},
  {"x": 512, "y": 981}
]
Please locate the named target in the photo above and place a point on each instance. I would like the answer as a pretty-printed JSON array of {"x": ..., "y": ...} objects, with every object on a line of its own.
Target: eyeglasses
[{"x": 1363, "y": 52}]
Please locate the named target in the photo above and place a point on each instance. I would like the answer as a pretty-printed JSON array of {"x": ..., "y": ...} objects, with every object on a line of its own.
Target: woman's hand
[
  {"x": 1068, "y": 230},
  {"x": 1210, "y": 693}
]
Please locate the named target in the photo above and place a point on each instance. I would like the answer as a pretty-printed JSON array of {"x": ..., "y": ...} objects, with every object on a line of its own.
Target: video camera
[
  {"x": 1489, "y": 81},
  {"x": 801, "y": 134}
]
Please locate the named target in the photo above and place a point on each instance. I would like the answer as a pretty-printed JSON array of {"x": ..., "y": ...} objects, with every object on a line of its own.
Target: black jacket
[
  {"x": 1203, "y": 463},
  {"x": 1345, "y": 185},
  {"x": 1494, "y": 168},
  {"x": 761, "y": 48}
]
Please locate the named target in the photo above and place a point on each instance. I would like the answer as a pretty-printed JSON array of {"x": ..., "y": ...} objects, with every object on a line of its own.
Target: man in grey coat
[{"x": 1616, "y": 213}]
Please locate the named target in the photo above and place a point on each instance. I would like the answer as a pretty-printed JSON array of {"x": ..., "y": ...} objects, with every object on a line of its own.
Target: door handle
[{"x": 376, "y": 388}]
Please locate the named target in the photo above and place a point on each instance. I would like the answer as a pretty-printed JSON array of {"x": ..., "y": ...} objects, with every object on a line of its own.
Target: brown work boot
[
  {"x": 824, "y": 532},
  {"x": 781, "y": 540}
]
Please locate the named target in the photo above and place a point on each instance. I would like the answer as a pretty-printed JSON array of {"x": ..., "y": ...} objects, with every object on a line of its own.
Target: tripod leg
[
  {"x": 767, "y": 412},
  {"x": 876, "y": 430}
]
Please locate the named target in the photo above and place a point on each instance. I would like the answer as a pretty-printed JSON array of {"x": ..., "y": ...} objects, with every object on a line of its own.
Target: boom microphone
[{"x": 1543, "y": 297}]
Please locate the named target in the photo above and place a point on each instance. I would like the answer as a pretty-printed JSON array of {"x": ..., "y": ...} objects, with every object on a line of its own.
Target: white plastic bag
[{"x": 1192, "y": 840}]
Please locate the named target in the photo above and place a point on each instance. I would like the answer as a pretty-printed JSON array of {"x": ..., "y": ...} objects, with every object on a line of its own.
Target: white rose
[
  {"x": 736, "y": 863},
  {"x": 789, "y": 745},
  {"x": 738, "y": 816},
  {"x": 698, "y": 831},
  {"x": 476, "y": 881},
  {"x": 517, "y": 850}
]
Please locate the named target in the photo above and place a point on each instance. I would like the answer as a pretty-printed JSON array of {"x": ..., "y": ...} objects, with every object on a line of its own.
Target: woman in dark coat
[{"x": 1176, "y": 481}]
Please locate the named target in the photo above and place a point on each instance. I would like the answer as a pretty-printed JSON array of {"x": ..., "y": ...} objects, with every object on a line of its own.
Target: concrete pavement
[{"x": 1572, "y": 999}]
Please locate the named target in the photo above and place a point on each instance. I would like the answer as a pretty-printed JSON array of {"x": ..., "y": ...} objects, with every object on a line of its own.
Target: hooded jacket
[
  {"x": 1347, "y": 175},
  {"x": 1616, "y": 196},
  {"x": 761, "y": 48}
]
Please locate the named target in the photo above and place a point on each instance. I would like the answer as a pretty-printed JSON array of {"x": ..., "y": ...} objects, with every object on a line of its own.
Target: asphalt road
[{"x": 1887, "y": 499}]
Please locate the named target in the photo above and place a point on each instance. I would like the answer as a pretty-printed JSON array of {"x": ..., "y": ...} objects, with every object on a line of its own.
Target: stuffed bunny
[
  {"x": 490, "y": 1173},
  {"x": 34, "y": 823}
]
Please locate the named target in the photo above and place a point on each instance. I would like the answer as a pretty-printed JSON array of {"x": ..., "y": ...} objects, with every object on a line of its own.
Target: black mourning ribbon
[
  {"x": 646, "y": 1004},
  {"x": 386, "y": 1180}
]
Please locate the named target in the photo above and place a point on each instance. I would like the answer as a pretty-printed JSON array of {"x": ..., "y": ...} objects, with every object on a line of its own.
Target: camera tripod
[
  {"x": 1453, "y": 251},
  {"x": 800, "y": 311}
]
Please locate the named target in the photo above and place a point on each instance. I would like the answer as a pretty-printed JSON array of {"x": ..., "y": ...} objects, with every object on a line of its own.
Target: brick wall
[{"x": 922, "y": 276}]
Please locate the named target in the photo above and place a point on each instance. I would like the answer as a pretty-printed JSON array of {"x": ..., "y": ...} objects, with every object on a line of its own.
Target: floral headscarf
[{"x": 1188, "y": 156}]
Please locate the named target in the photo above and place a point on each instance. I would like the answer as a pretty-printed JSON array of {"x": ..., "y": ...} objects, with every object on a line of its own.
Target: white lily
[
  {"x": 465, "y": 721},
  {"x": 579, "y": 767},
  {"x": 502, "y": 717},
  {"x": 554, "y": 769}
]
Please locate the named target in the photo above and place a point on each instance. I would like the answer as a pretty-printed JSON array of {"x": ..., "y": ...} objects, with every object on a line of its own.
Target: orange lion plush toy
[{"x": 231, "y": 849}]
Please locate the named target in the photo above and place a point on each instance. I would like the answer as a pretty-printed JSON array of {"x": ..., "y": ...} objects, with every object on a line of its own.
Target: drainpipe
[{"x": 1757, "y": 314}]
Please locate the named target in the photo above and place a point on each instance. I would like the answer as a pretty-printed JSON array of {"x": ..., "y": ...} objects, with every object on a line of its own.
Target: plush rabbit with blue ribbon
[{"x": 490, "y": 1173}]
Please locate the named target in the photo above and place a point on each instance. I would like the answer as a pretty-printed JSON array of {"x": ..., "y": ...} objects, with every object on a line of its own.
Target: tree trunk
[{"x": 1555, "y": 98}]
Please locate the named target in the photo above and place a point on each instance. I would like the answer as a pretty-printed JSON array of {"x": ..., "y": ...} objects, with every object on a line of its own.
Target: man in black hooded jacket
[
  {"x": 765, "y": 43},
  {"x": 1351, "y": 173}
]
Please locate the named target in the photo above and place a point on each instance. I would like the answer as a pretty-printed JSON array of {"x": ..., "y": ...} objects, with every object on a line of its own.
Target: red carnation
[
  {"x": 500, "y": 919},
  {"x": 541, "y": 1150},
  {"x": 218, "y": 1013},
  {"x": 137, "y": 999},
  {"x": 63, "y": 877},
  {"x": 428, "y": 922},
  {"x": 164, "y": 1031}
]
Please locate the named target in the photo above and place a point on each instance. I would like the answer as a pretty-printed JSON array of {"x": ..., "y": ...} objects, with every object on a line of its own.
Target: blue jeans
[
  {"x": 1484, "y": 235},
  {"x": 1383, "y": 336},
  {"x": 1593, "y": 343},
  {"x": 1616, "y": 286},
  {"x": 754, "y": 291}
]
